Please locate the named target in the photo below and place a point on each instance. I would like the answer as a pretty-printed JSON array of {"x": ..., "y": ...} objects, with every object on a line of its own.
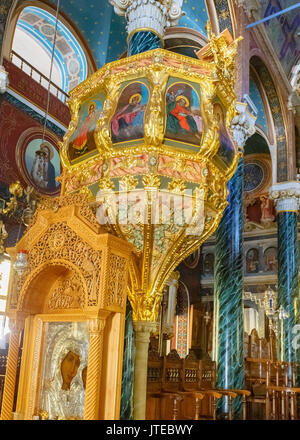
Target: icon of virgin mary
[{"x": 64, "y": 388}]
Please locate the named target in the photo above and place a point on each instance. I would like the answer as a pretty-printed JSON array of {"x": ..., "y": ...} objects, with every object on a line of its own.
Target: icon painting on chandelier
[
  {"x": 82, "y": 140},
  {"x": 226, "y": 152},
  {"x": 184, "y": 121},
  {"x": 127, "y": 123}
]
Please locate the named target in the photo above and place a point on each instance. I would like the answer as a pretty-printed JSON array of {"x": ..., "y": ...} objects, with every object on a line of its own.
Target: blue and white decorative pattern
[
  {"x": 257, "y": 99},
  {"x": 68, "y": 54},
  {"x": 253, "y": 176}
]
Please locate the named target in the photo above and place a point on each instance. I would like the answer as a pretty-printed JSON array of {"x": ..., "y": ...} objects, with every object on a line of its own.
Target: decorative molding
[
  {"x": 286, "y": 196},
  {"x": 278, "y": 116},
  {"x": 269, "y": 53},
  {"x": 243, "y": 125},
  {"x": 295, "y": 80},
  {"x": 249, "y": 6},
  {"x": 68, "y": 294},
  {"x": 143, "y": 329},
  {"x": 294, "y": 101},
  {"x": 117, "y": 281}
]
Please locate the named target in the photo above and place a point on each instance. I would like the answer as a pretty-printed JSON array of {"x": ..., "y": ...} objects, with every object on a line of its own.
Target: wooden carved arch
[{"x": 53, "y": 286}]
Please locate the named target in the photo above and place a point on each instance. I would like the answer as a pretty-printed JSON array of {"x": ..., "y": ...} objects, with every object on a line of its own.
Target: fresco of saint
[
  {"x": 43, "y": 171},
  {"x": 83, "y": 141},
  {"x": 41, "y": 165},
  {"x": 184, "y": 122},
  {"x": 128, "y": 121}
]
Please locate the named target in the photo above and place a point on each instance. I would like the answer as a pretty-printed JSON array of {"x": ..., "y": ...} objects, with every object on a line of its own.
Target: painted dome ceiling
[
  {"x": 104, "y": 31},
  {"x": 105, "y": 35},
  {"x": 283, "y": 31}
]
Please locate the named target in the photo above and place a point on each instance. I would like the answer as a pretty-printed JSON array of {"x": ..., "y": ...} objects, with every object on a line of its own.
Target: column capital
[
  {"x": 286, "y": 196},
  {"x": 243, "y": 124},
  {"x": 151, "y": 15},
  {"x": 143, "y": 329},
  {"x": 16, "y": 325},
  {"x": 3, "y": 80},
  {"x": 249, "y": 6},
  {"x": 294, "y": 102},
  {"x": 96, "y": 325},
  {"x": 173, "y": 279}
]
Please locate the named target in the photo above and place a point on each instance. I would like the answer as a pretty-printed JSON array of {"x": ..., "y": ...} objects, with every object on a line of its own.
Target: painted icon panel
[
  {"x": 184, "y": 122},
  {"x": 127, "y": 123},
  {"x": 42, "y": 164},
  {"x": 63, "y": 367},
  {"x": 82, "y": 140}
]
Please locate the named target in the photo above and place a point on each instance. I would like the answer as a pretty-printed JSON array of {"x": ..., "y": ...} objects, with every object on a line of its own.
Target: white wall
[{"x": 29, "y": 49}]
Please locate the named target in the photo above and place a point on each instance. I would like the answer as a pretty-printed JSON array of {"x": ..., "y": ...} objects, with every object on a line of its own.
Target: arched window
[{"x": 33, "y": 43}]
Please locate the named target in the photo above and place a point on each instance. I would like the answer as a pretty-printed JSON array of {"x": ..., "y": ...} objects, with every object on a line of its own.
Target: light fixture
[{"x": 21, "y": 264}]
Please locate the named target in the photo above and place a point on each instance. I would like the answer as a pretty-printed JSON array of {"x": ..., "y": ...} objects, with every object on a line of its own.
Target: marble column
[
  {"x": 143, "y": 329},
  {"x": 142, "y": 41},
  {"x": 286, "y": 196},
  {"x": 228, "y": 272},
  {"x": 229, "y": 291},
  {"x": 16, "y": 328},
  {"x": 147, "y": 21},
  {"x": 126, "y": 411}
]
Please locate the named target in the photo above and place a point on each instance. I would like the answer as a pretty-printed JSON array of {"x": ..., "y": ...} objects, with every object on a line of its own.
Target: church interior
[{"x": 149, "y": 209}]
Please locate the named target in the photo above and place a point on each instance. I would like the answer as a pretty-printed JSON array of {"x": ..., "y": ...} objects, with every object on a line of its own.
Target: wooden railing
[{"x": 24, "y": 65}]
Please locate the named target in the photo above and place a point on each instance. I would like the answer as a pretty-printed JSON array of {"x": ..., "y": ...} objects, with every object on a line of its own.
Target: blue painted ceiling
[
  {"x": 104, "y": 31},
  {"x": 105, "y": 35},
  {"x": 283, "y": 31}
]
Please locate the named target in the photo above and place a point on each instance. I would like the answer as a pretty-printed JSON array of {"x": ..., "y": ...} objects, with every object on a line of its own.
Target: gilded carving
[
  {"x": 154, "y": 117},
  {"x": 175, "y": 192},
  {"x": 116, "y": 281},
  {"x": 68, "y": 294},
  {"x": 75, "y": 253}
]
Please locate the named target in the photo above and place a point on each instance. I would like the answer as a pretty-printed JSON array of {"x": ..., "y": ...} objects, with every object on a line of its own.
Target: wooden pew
[
  {"x": 163, "y": 400},
  {"x": 205, "y": 407},
  {"x": 154, "y": 383}
]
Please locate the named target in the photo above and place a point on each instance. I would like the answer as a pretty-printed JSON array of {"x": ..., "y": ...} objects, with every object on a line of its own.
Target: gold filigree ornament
[
  {"x": 151, "y": 181},
  {"x": 128, "y": 183},
  {"x": 106, "y": 184},
  {"x": 177, "y": 186},
  {"x": 87, "y": 191},
  {"x": 164, "y": 193}
]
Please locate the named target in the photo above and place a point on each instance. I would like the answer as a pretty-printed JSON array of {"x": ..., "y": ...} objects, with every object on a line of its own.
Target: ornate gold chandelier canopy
[{"x": 150, "y": 141}]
